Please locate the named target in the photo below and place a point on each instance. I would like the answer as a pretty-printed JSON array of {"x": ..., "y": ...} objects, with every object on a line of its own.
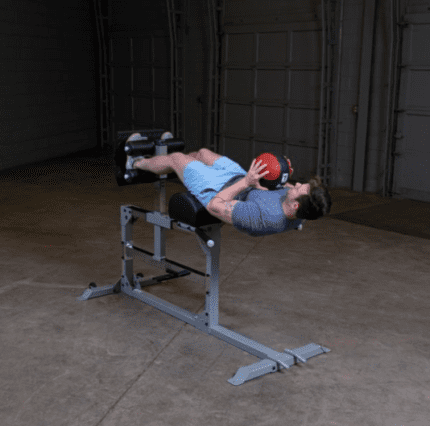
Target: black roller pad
[{"x": 119, "y": 161}]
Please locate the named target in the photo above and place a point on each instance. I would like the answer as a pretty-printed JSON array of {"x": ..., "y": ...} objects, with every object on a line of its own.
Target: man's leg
[
  {"x": 195, "y": 155},
  {"x": 176, "y": 162},
  {"x": 205, "y": 155},
  {"x": 208, "y": 157},
  {"x": 160, "y": 165},
  {"x": 165, "y": 164}
]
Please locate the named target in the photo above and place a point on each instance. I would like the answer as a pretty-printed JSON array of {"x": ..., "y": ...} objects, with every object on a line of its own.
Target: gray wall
[
  {"x": 277, "y": 45},
  {"x": 141, "y": 68},
  {"x": 140, "y": 65},
  {"x": 48, "y": 82}
]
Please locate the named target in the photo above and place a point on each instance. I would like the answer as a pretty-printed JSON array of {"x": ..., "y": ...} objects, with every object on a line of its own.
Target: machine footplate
[{"x": 267, "y": 366}]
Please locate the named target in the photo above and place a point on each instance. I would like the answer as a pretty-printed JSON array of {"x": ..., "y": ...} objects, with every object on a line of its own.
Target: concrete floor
[{"x": 361, "y": 292}]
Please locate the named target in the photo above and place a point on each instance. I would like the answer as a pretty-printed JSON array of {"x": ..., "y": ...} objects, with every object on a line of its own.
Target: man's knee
[
  {"x": 208, "y": 157},
  {"x": 203, "y": 151},
  {"x": 179, "y": 162}
]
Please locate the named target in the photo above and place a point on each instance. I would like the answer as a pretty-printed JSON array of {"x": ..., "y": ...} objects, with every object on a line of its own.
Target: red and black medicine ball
[{"x": 278, "y": 168}]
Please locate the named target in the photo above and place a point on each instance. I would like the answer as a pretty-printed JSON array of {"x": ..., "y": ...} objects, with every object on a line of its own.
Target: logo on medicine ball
[{"x": 284, "y": 178}]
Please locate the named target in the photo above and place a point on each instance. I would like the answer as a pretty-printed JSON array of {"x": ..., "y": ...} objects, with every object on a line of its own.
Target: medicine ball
[{"x": 278, "y": 168}]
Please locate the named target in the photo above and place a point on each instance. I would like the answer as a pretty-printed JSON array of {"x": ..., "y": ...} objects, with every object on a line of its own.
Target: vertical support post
[
  {"x": 127, "y": 244},
  {"x": 212, "y": 270},
  {"x": 160, "y": 232},
  {"x": 102, "y": 24},
  {"x": 172, "y": 74},
  {"x": 323, "y": 115},
  {"x": 366, "y": 69},
  {"x": 335, "y": 150},
  {"x": 159, "y": 242},
  {"x": 112, "y": 113},
  {"x": 216, "y": 10},
  {"x": 133, "y": 106},
  {"x": 210, "y": 80}
]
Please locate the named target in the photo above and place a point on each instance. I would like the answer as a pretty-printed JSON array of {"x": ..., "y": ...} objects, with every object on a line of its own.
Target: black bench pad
[{"x": 186, "y": 208}]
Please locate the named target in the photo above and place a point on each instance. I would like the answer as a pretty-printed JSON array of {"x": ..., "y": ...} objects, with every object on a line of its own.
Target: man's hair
[{"x": 316, "y": 204}]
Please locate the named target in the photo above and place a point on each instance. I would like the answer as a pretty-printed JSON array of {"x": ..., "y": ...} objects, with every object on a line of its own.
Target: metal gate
[
  {"x": 278, "y": 91},
  {"x": 411, "y": 145}
]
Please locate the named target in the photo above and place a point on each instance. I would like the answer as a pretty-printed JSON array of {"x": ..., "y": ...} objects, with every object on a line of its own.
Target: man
[{"x": 236, "y": 197}]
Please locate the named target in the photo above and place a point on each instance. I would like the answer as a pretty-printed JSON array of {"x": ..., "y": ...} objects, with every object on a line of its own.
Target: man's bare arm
[{"x": 223, "y": 210}]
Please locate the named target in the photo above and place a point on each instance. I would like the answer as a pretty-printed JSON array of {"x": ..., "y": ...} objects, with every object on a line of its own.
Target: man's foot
[
  {"x": 166, "y": 135},
  {"x": 130, "y": 159},
  {"x": 136, "y": 136}
]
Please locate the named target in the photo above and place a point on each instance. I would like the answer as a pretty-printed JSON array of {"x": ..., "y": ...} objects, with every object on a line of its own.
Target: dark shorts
[{"x": 204, "y": 182}]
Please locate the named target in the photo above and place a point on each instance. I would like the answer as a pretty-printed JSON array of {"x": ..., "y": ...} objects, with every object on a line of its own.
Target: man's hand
[{"x": 255, "y": 174}]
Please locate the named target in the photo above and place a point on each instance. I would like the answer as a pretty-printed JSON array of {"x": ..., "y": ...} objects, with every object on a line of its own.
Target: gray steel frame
[{"x": 207, "y": 321}]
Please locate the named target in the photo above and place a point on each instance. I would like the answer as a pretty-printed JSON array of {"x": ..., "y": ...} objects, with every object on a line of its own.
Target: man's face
[{"x": 298, "y": 190}]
